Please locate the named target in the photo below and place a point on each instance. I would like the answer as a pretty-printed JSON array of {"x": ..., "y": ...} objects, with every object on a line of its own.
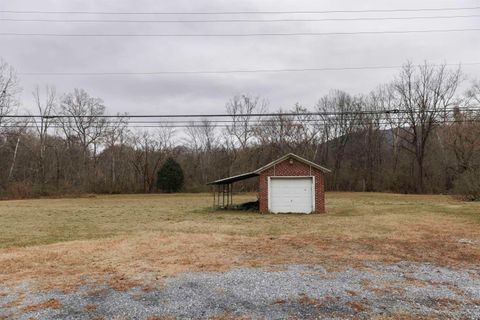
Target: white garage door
[{"x": 291, "y": 195}]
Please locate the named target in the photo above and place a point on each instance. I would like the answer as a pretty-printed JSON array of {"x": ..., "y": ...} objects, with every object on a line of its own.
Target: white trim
[
  {"x": 314, "y": 189},
  {"x": 294, "y": 156},
  {"x": 314, "y": 192},
  {"x": 268, "y": 192},
  {"x": 268, "y": 166}
]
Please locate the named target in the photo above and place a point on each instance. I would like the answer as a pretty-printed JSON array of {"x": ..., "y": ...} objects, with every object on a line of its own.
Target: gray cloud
[{"x": 208, "y": 93}]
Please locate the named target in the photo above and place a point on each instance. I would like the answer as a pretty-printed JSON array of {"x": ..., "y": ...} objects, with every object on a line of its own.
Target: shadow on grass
[{"x": 239, "y": 212}]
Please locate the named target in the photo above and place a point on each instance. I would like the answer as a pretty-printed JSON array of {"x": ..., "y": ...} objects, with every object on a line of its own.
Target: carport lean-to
[
  {"x": 223, "y": 189},
  {"x": 288, "y": 184}
]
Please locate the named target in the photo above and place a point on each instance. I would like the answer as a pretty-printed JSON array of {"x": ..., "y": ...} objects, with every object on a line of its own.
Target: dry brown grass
[
  {"x": 90, "y": 307},
  {"x": 306, "y": 300},
  {"x": 389, "y": 289},
  {"x": 404, "y": 316},
  {"x": 15, "y": 302},
  {"x": 228, "y": 316},
  {"x": 280, "y": 301},
  {"x": 49, "y": 304},
  {"x": 358, "y": 306},
  {"x": 67, "y": 242},
  {"x": 351, "y": 292}
]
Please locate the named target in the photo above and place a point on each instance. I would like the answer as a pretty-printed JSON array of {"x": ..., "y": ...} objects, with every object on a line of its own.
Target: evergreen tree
[{"x": 170, "y": 176}]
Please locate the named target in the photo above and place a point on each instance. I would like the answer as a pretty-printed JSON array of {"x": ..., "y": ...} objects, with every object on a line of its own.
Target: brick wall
[{"x": 297, "y": 168}]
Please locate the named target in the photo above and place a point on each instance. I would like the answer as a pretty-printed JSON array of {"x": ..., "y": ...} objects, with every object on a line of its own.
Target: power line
[
  {"x": 225, "y": 115},
  {"x": 271, "y": 124},
  {"x": 211, "y": 35},
  {"x": 238, "y": 12},
  {"x": 353, "y": 117},
  {"x": 230, "y": 124},
  {"x": 229, "y": 71},
  {"x": 239, "y": 20},
  {"x": 201, "y": 116}
]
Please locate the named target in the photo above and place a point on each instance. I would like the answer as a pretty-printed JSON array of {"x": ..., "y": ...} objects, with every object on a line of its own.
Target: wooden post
[
  {"x": 225, "y": 193},
  {"x": 223, "y": 196}
]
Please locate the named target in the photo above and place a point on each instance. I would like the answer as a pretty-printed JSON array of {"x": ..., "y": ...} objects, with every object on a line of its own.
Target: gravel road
[{"x": 293, "y": 291}]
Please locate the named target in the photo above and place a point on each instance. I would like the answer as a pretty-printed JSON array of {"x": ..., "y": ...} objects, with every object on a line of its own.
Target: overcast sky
[{"x": 143, "y": 94}]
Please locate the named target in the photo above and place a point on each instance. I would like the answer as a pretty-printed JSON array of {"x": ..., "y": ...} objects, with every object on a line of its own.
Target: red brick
[{"x": 296, "y": 168}]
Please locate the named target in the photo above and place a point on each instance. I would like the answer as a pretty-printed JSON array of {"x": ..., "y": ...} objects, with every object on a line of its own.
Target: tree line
[{"x": 420, "y": 133}]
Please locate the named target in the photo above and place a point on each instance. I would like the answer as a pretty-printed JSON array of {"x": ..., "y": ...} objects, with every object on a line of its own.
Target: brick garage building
[{"x": 288, "y": 184}]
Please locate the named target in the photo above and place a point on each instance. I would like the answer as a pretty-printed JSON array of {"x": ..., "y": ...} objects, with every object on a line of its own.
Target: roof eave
[
  {"x": 257, "y": 172},
  {"x": 232, "y": 179},
  {"x": 298, "y": 158}
]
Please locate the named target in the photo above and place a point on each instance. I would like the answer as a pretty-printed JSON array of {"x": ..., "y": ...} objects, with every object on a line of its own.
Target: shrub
[
  {"x": 467, "y": 185},
  {"x": 19, "y": 190},
  {"x": 170, "y": 176},
  {"x": 400, "y": 183}
]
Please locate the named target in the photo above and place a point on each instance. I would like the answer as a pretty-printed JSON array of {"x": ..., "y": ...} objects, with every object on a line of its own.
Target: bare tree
[
  {"x": 275, "y": 133},
  {"x": 202, "y": 139},
  {"x": 463, "y": 134},
  {"x": 203, "y": 136},
  {"x": 82, "y": 120},
  {"x": 340, "y": 113},
  {"x": 473, "y": 95},
  {"x": 240, "y": 134},
  {"x": 150, "y": 150},
  {"x": 306, "y": 134},
  {"x": 241, "y": 109},
  {"x": 46, "y": 107},
  {"x": 9, "y": 89},
  {"x": 115, "y": 135},
  {"x": 383, "y": 99},
  {"x": 18, "y": 132},
  {"x": 371, "y": 130},
  {"x": 403, "y": 133},
  {"x": 424, "y": 94}
]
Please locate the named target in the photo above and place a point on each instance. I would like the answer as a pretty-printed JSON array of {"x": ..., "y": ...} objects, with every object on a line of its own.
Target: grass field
[{"x": 64, "y": 242}]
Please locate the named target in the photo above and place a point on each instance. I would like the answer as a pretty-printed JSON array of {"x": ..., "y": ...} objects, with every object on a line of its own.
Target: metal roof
[
  {"x": 265, "y": 167},
  {"x": 234, "y": 178}
]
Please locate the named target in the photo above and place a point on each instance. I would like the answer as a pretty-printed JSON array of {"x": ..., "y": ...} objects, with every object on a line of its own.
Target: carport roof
[
  {"x": 257, "y": 172},
  {"x": 233, "y": 179}
]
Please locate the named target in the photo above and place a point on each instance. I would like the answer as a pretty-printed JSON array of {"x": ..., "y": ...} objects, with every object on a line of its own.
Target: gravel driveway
[{"x": 293, "y": 291}]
